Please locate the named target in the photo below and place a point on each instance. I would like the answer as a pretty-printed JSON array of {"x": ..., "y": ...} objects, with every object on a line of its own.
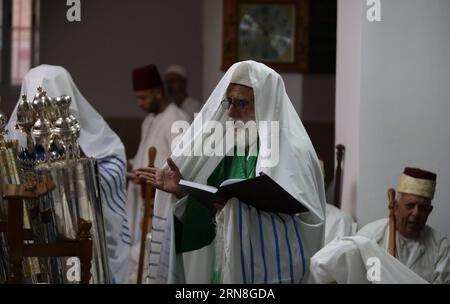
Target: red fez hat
[
  {"x": 419, "y": 173},
  {"x": 146, "y": 78},
  {"x": 417, "y": 182}
]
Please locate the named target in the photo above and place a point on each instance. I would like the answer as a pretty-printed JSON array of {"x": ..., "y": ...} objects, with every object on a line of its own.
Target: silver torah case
[{"x": 76, "y": 194}]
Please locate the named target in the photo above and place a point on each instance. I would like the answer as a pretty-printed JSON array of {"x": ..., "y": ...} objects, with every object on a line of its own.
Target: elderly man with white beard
[
  {"x": 238, "y": 243},
  {"x": 420, "y": 247}
]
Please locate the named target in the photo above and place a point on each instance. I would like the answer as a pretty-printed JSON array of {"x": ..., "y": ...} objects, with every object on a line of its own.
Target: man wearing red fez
[
  {"x": 418, "y": 246},
  {"x": 155, "y": 132}
]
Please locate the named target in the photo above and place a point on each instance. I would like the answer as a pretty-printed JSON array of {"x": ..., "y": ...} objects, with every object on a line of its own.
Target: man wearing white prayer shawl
[
  {"x": 239, "y": 244},
  {"x": 418, "y": 246},
  {"x": 155, "y": 132},
  {"x": 358, "y": 260},
  {"x": 96, "y": 140}
]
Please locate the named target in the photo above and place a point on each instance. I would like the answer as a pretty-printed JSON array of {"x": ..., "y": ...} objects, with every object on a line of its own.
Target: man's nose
[
  {"x": 141, "y": 104},
  {"x": 415, "y": 211},
  {"x": 232, "y": 112}
]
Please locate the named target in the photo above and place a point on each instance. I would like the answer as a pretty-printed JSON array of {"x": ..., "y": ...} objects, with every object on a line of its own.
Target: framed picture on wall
[{"x": 268, "y": 31}]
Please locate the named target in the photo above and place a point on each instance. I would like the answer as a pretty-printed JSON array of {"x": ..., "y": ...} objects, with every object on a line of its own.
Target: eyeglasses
[{"x": 238, "y": 103}]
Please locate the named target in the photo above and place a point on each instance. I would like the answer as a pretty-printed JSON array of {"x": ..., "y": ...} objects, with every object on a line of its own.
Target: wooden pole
[
  {"x": 148, "y": 202},
  {"x": 392, "y": 242}
]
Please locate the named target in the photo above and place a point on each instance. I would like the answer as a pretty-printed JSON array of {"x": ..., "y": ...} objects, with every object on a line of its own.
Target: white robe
[
  {"x": 337, "y": 224},
  {"x": 155, "y": 132},
  {"x": 428, "y": 256},
  {"x": 358, "y": 260}
]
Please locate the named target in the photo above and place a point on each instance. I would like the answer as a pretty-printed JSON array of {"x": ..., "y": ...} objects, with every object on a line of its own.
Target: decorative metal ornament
[
  {"x": 26, "y": 118},
  {"x": 42, "y": 129}
]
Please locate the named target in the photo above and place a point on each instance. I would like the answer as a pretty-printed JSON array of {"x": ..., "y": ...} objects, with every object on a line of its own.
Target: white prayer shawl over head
[
  {"x": 97, "y": 140},
  {"x": 296, "y": 169}
]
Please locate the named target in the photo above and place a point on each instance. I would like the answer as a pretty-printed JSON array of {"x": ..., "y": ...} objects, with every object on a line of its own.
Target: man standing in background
[
  {"x": 155, "y": 132},
  {"x": 175, "y": 79}
]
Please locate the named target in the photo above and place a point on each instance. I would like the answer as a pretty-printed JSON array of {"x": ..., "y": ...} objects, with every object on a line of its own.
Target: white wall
[
  {"x": 402, "y": 116},
  {"x": 405, "y": 108},
  {"x": 348, "y": 74}
]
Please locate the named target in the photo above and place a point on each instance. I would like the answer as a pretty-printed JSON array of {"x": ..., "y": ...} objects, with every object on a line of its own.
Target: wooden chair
[
  {"x": 16, "y": 235},
  {"x": 340, "y": 152}
]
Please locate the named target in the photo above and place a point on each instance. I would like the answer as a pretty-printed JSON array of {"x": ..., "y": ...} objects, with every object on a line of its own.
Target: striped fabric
[
  {"x": 159, "y": 250},
  {"x": 257, "y": 248},
  {"x": 112, "y": 172},
  {"x": 260, "y": 247}
]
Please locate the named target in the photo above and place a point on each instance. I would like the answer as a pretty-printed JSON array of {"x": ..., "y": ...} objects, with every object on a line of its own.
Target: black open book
[{"x": 261, "y": 192}]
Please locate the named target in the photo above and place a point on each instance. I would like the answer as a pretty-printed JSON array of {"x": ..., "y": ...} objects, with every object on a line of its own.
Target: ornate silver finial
[
  {"x": 42, "y": 129},
  {"x": 67, "y": 129},
  {"x": 51, "y": 109},
  {"x": 26, "y": 118}
]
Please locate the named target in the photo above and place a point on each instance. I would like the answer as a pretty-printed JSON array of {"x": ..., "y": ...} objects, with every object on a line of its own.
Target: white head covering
[
  {"x": 298, "y": 170},
  {"x": 241, "y": 75},
  {"x": 177, "y": 69},
  {"x": 96, "y": 137}
]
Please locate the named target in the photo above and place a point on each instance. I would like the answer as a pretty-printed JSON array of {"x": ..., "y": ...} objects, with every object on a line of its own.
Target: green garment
[{"x": 197, "y": 228}]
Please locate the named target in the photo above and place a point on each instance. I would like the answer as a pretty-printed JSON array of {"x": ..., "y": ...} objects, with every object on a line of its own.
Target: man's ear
[{"x": 431, "y": 209}]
